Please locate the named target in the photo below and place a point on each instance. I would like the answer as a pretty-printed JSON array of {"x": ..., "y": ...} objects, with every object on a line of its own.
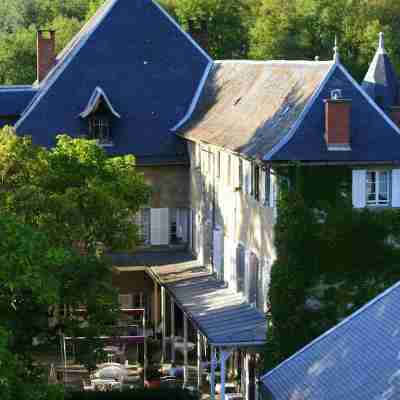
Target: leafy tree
[
  {"x": 74, "y": 192},
  {"x": 218, "y": 25}
]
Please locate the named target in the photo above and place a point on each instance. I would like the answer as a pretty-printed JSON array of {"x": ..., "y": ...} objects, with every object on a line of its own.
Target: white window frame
[{"x": 376, "y": 202}]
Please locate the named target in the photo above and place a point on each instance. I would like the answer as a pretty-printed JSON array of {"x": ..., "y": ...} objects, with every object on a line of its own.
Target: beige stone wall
[{"x": 170, "y": 185}]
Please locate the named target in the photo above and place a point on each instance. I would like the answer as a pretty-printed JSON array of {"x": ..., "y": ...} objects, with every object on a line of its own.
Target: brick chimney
[
  {"x": 395, "y": 115},
  {"x": 337, "y": 122},
  {"x": 46, "y": 52}
]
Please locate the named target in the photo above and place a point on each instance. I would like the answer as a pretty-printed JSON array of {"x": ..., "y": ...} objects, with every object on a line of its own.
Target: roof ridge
[
  {"x": 353, "y": 316},
  {"x": 269, "y": 62}
]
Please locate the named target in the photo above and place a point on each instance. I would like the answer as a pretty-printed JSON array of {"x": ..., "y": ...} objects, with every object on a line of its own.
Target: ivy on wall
[{"x": 331, "y": 258}]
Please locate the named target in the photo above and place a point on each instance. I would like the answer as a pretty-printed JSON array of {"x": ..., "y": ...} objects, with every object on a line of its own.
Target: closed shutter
[
  {"x": 218, "y": 252},
  {"x": 359, "y": 188},
  {"x": 396, "y": 188},
  {"x": 262, "y": 185},
  {"x": 159, "y": 226},
  {"x": 247, "y": 176},
  {"x": 272, "y": 189}
]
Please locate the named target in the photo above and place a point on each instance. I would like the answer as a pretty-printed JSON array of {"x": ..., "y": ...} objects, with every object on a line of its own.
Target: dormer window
[
  {"x": 100, "y": 130},
  {"x": 99, "y": 114}
]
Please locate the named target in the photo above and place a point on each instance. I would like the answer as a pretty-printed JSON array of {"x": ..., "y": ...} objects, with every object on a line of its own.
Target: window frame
[
  {"x": 98, "y": 124},
  {"x": 377, "y": 193}
]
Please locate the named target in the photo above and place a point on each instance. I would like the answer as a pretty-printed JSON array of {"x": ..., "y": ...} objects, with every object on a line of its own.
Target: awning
[{"x": 219, "y": 312}]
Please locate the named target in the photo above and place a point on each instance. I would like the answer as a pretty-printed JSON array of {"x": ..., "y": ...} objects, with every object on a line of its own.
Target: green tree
[{"x": 218, "y": 25}]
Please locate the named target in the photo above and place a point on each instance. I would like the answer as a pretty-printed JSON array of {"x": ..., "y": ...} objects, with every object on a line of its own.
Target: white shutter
[
  {"x": 247, "y": 176},
  {"x": 262, "y": 185},
  {"x": 396, "y": 188},
  {"x": 359, "y": 188},
  {"x": 159, "y": 226},
  {"x": 273, "y": 189}
]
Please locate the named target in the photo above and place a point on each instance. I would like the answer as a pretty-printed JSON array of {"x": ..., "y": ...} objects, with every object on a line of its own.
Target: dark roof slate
[
  {"x": 248, "y": 107},
  {"x": 381, "y": 82},
  {"x": 14, "y": 99},
  {"x": 148, "y": 67},
  {"x": 356, "y": 360},
  {"x": 374, "y": 137}
]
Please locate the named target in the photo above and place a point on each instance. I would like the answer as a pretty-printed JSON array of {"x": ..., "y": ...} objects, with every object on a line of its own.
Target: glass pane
[{"x": 384, "y": 187}]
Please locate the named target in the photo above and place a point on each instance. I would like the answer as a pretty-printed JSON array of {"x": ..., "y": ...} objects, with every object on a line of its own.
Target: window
[
  {"x": 142, "y": 221},
  {"x": 240, "y": 173},
  {"x": 378, "y": 188},
  {"x": 240, "y": 268},
  {"x": 179, "y": 225},
  {"x": 99, "y": 129},
  {"x": 256, "y": 182},
  {"x": 267, "y": 187}
]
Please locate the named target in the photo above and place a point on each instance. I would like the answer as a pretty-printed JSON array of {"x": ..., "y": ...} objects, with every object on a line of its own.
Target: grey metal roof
[
  {"x": 247, "y": 107},
  {"x": 358, "y": 359},
  {"x": 222, "y": 314}
]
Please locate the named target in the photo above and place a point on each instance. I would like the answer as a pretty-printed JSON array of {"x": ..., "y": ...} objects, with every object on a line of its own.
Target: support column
[
  {"x": 224, "y": 355},
  {"x": 199, "y": 364},
  {"x": 185, "y": 350},
  {"x": 172, "y": 330},
  {"x": 144, "y": 347},
  {"x": 156, "y": 310},
  {"x": 213, "y": 367},
  {"x": 163, "y": 325}
]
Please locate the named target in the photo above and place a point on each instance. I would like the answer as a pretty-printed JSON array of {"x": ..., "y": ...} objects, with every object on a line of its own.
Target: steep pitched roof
[
  {"x": 149, "y": 68},
  {"x": 248, "y": 107},
  {"x": 14, "y": 99},
  {"x": 356, "y": 360},
  {"x": 374, "y": 136},
  {"x": 381, "y": 82}
]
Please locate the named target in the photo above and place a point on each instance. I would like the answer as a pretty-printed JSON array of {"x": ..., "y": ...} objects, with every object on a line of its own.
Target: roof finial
[
  {"x": 381, "y": 47},
  {"x": 336, "y": 56}
]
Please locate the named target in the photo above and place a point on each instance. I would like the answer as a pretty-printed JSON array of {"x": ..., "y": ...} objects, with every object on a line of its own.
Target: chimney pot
[
  {"x": 338, "y": 122},
  {"x": 46, "y": 53}
]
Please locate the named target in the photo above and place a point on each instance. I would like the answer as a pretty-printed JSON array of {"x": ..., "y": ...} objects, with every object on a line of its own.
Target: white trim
[
  {"x": 345, "y": 321},
  {"x": 369, "y": 99},
  {"x": 18, "y": 88},
  {"x": 302, "y": 116},
  {"x": 195, "y": 99},
  {"x": 67, "y": 55},
  {"x": 97, "y": 93},
  {"x": 182, "y": 31}
]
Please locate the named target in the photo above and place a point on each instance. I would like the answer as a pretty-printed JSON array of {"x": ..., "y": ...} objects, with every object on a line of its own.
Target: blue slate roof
[
  {"x": 14, "y": 99},
  {"x": 381, "y": 82},
  {"x": 358, "y": 359},
  {"x": 374, "y": 137},
  {"x": 149, "y": 68}
]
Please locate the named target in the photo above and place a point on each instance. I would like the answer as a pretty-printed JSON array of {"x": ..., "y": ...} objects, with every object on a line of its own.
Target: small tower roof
[{"x": 381, "y": 82}]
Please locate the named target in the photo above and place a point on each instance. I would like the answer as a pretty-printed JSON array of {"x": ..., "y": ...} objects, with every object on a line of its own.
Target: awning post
[
  {"x": 185, "y": 350},
  {"x": 163, "y": 325},
  {"x": 224, "y": 355},
  {"x": 213, "y": 367},
  {"x": 172, "y": 330},
  {"x": 199, "y": 359}
]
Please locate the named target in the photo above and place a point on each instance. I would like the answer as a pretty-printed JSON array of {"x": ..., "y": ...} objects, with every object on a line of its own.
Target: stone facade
[{"x": 222, "y": 206}]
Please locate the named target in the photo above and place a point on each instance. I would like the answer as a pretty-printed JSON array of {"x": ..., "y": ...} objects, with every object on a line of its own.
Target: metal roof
[
  {"x": 249, "y": 106},
  {"x": 356, "y": 360},
  {"x": 14, "y": 99},
  {"x": 222, "y": 315}
]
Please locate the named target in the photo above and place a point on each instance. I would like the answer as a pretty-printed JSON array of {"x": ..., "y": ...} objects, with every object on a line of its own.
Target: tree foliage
[
  {"x": 59, "y": 210},
  {"x": 332, "y": 259}
]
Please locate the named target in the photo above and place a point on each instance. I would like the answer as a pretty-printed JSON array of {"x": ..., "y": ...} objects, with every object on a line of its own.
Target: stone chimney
[
  {"x": 46, "y": 52},
  {"x": 338, "y": 122}
]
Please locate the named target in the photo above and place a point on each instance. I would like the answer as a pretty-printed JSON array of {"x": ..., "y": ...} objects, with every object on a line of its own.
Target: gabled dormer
[
  {"x": 381, "y": 82},
  {"x": 99, "y": 115}
]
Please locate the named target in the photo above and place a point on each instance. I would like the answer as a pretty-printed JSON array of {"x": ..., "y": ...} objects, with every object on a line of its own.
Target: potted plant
[{"x": 153, "y": 377}]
